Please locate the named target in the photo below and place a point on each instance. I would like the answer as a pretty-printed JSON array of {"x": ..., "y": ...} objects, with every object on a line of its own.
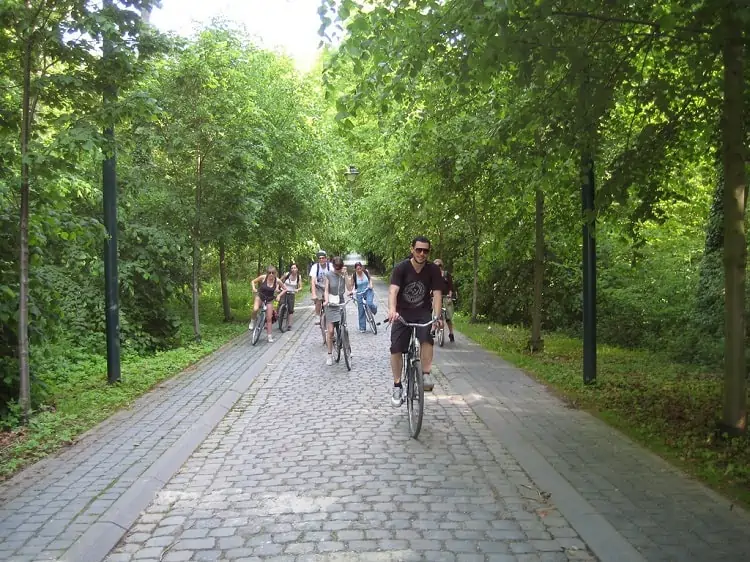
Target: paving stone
[
  {"x": 313, "y": 463},
  {"x": 117, "y": 452}
]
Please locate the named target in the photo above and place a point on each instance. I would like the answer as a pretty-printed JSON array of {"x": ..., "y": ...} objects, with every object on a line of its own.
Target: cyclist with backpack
[
  {"x": 293, "y": 283},
  {"x": 365, "y": 294},
  {"x": 449, "y": 296},
  {"x": 317, "y": 282}
]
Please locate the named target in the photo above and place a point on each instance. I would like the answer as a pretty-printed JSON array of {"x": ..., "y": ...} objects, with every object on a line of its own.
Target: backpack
[
  {"x": 354, "y": 277},
  {"x": 317, "y": 271}
]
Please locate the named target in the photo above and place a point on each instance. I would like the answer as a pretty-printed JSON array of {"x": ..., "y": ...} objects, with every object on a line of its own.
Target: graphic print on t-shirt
[{"x": 414, "y": 293}]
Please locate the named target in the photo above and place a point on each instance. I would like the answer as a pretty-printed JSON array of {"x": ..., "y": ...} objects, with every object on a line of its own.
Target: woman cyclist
[
  {"x": 293, "y": 283},
  {"x": 365, "y": 294},
  {"x": 336, "y": 284},
  {"x": 269, "y": 284}
]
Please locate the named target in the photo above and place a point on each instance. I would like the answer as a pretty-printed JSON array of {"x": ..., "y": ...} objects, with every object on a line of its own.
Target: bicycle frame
[
  {"x": 340, "y": 334},
  {"x": 411, "y": 373}
]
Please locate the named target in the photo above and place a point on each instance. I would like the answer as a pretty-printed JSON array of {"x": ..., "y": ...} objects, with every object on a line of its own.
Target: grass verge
[
  {"x": 77, "y": 396},
  {"x": 668, "y": 407}
]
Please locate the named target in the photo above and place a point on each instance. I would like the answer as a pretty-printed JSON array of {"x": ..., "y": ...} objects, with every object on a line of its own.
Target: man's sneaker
[
  {"x": 428, "y": 382},
  {"x": 250, "y": 326},
  {"x": 397, "y": 396},
  {"x": 450, "y": 337},
  {"x": 329, "y": 360},
  {"x": 270, "y": 338}
]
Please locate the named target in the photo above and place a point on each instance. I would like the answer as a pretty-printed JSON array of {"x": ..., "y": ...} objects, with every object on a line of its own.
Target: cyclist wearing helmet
[{"x": 317, "y": 281}]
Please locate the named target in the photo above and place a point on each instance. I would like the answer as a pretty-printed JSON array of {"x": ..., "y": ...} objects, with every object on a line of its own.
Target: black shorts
[
  {"x": 401, "y": 334},
  {"x": 289, "y": 300}
]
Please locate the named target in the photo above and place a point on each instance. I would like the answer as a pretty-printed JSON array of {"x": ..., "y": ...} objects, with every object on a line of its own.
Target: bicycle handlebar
[
  {"x": 347, "y": 301},
  {"x": 415, "y": 324}
]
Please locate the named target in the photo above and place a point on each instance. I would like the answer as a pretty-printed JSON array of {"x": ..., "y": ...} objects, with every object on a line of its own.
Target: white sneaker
[
  {"x": 250, "y": 326},
  {"x": 329, "y": 360},
  {"x": 270, "y": 338}
]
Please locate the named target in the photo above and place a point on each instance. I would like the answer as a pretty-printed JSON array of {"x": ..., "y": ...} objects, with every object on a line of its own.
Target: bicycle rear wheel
[
  {"x": 415, "y": 397},
  {"x": 347, "y": 348},
  {"x": 371, "y": 320},
  {"x": 260, "y": 321},
  {"x": 283, "y": 317}
]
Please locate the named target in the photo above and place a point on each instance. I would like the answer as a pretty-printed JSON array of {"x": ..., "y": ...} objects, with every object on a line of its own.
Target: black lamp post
[{"x": 351, "y": 174}]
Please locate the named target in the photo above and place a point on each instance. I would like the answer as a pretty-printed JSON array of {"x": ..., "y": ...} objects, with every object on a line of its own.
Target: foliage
[{"x": 269, "y": 167}]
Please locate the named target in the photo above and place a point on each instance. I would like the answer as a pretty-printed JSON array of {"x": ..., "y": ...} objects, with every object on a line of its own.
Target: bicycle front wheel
[
  {"x": 347, "y": 348},
  {"x": 415, "y": 397},
  {"x": 441, "y": 336},
  {"x": 283, "y": 317},
  {"x": 337, "y": 343},
  {"x": 260, "y": 321},
  {"x": 371, "y": 320}
]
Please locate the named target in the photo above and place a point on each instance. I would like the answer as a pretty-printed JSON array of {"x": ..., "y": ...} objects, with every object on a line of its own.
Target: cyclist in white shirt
[
  {"x": 293, "y": 283},
  {"x": 317, "y": 281}
]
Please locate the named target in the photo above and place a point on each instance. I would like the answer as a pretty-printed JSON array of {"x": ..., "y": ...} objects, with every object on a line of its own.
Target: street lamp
[{"x": 351, "y": 174}]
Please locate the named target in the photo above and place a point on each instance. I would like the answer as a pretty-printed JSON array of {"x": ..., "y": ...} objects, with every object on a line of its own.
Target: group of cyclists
[{"x": 420, "y": 291}]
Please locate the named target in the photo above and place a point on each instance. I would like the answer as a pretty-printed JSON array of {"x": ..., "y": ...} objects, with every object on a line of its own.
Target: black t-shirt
[
  {"x": 414, "y": 301},
  {"x": 447, "y": 283}
]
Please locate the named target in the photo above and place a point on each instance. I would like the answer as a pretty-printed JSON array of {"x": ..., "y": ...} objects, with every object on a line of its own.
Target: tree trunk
[
  {"x": 588, "y": 116},
  {"x": 710, "y": 293},
  {"x": 224, "y": 283},
  {"x": 475, "y": 287},
  {"x": 24, "y": 398},
  {"x": 734, "y": 418},
  {"x": 197, "y": 251},
  {"x": 260, "y": 260},
  {"x": 537, "y": 344}
]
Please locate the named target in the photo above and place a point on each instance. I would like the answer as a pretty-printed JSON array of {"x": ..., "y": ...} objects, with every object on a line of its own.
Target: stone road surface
[{"x": 265, "y": 453}]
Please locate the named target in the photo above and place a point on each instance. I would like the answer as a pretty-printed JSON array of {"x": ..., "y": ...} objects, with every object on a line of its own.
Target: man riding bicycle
[
  {"x": 412, "y": 281},
  {"x": 448, "y": 296},
  {"x": 318, "y": 273}
]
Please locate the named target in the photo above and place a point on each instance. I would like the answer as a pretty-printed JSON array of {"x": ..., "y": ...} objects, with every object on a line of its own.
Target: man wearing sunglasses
[{"x": 412, "y": 282}]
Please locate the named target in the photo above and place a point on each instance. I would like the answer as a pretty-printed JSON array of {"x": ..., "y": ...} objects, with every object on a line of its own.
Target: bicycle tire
[
  {"x": 283, "y": 317},
  {"x": 347, "y": 349},
  {"x": 415, "y": 398},
  {"x": 371, "y": 320},
  {"x": 323, "y": 324},
  {"x": 441, "y": 336},
  {"x": 260, "y": 321},
  {"x": 337, "y": 343}
]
